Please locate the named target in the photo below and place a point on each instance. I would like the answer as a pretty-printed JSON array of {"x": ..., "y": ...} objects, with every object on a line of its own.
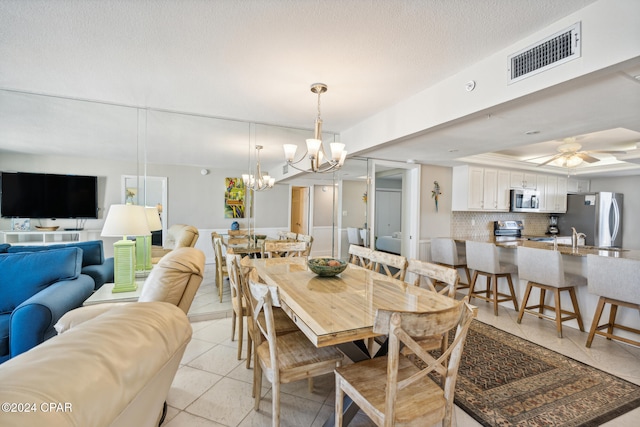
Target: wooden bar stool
[
  {"x": 483, "y": 259},
  {"x": 543, "y": 269},
  {"x": 617, "y": 283},
  {"x": 445, "y": 252}
]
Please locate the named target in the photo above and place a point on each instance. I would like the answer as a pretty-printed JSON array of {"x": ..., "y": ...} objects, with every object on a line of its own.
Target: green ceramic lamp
[
  {"x": 125, "y": 220},
  {"x": 143, "y": 243}
]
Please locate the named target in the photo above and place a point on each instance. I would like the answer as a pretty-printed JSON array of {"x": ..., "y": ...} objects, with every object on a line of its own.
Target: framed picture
[
  {"x": 234, "y": 196},
  {"x": 21, "y": 224}
]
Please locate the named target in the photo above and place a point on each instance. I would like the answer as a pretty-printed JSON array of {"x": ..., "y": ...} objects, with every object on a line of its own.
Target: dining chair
[
  {"x": 397, "y": 390},
  {"x": 281, "y": 321},
  {"x": 221, "y": 266},
  {"x": 444, "y": 251},
  {"x": 284, "y": 358},
  {"x": 544, "y": 269},
  {"x": 238, "y": 237},
  {"x": 360, "y": 255},
  {"x": 283, "y": 248},
  {"x": 392, "y": 265},
  {"x": 308, "y": 240},
  {"x": 483, "y": 259},
  {"x": 616, "y": 282},
  {"x": 287, "y": 235},
  {"x": 238, "y": 302}
]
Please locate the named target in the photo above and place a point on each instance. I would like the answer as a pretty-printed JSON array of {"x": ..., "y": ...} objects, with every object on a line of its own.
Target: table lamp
[
  {"x": 125, "y": 220},
  {"x": 143, "y": 243}
]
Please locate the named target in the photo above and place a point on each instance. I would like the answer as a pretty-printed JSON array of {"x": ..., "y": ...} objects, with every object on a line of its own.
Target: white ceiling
[{"x": 74, "y": 74}]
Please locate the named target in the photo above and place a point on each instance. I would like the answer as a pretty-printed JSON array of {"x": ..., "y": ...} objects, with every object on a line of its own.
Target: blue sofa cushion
[
  {"x": 92, "y": 251},
  {"x": 23, "y": 275},
  {"x": 5, "y": 320},
  {"x": 4, "y": 247}
]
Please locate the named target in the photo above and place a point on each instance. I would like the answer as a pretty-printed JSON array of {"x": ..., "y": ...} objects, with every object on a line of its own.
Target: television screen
[{"x": 37, "y": 195}]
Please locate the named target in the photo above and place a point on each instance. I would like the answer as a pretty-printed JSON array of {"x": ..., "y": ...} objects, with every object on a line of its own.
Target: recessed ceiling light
[
  {"x": 453, "y": 150},
  {"x": 532, "y": 132}
]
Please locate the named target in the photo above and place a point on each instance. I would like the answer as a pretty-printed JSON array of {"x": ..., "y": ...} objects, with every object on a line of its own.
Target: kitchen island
[{"x": 575, "y": 261}]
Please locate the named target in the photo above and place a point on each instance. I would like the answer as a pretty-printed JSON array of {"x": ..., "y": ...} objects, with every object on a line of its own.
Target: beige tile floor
[{"x": 213, "y": 388}]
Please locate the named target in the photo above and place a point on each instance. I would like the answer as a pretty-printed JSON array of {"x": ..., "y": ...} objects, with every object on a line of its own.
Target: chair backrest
[
  {"x": 540, "y": 266},
  {"x": 262, "y": 300},
  {"x": 427, "y": 273},
  {"x": 176, "y": 278},
  {"x": 308, "y": 240},
  {"x": 283, "y": 248},
  {"x": 615, "y": 278},
  {"x": 287, "y": 235},
  {"x": 238, "y": 237},
  {"x": 382, "y": 261},
  {"x": 353, "y": 236},
  {"x": 444, "y": 251},
  {"x": 405, "y": 329},
  {"x": 233, "y": 270},
  {"x": 360, "y": 255},
  {"x": 181, "y": 236},
  {"x": 483, "y": 257}
]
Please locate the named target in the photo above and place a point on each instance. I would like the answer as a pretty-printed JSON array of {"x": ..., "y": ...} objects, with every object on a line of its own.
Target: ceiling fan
[{"x": 570, "y": 156}]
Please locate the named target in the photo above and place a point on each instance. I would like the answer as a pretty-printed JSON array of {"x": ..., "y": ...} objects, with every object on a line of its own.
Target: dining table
[{"x": 340, "y": 310}]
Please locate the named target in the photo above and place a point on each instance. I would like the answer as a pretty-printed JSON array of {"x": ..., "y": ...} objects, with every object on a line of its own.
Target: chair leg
[
  {"x": 339, "y": 407},
  {"x": 233, "y": 325},
  {"x": 240, "y": 320},
  {"x": 257, "y": 383},
  {"x": 512, "y": 291},
  {"x": 543, "y": 293},
  {"x": 576, "y": 308},
  {"x": 275, "y": 404},
  {"x": 493, "y": 278},
  {"x": 472, "y": 286},
  {"x": 558, "y": 304},
  {"x": 525, "y": 299},
  {"x": 249, "y": 350},
  {"x": 612, "y": 319},
  {"x": 596, "y": 320}
]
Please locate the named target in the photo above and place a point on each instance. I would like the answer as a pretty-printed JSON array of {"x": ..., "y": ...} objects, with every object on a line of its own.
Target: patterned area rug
[{"x": 504, "y": 380}]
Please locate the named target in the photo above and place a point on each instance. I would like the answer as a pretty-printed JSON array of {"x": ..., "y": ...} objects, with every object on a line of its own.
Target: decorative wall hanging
[
  {"x": 435, "y": 193},
  {"x": 234, "y": 196}
]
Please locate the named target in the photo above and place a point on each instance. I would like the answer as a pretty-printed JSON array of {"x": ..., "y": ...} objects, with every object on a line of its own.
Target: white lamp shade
[
  {"x": 289, "y": 151},
  {"x": 313, "y": 146},
  {"x": 126, "y": 220},
  {"x": 153, "y": 218},
  {"x": 336, "y": 150}
]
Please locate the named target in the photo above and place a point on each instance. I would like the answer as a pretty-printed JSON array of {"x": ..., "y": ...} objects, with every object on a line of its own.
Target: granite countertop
[{"x": 581, "y": 251}]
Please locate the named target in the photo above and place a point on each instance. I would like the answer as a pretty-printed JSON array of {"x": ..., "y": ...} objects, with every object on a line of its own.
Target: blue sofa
[
  {"x": 94, "y": 263},
  {"x": 36, "y": 289}
]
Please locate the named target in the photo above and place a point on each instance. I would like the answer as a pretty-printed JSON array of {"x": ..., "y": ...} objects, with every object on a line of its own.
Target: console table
[{"x": 45, "y": 237}]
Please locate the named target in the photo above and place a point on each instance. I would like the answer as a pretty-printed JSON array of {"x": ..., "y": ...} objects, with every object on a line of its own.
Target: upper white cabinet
[
  {"x": 524, "y": 180},
  {"x": 577, "y": 185},
  {"x": 556, "y": 195},
  {"x": 481, "y": 189}
]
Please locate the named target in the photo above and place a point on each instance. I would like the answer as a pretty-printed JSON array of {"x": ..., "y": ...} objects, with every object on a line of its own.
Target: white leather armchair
[{"x": 178, "y": 236}]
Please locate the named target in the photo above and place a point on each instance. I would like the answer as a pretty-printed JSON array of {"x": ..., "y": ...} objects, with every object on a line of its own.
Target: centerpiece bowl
[{"x": 326, "y": 267}]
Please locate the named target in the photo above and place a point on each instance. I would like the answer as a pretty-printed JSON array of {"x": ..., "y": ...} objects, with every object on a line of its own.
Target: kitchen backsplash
[{"x": 481, "y": 223}]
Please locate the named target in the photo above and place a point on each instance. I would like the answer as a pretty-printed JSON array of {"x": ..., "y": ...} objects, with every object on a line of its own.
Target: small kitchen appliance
[
  {"x": 553, "y": 225},
  {"x": 507, "y": 230}
]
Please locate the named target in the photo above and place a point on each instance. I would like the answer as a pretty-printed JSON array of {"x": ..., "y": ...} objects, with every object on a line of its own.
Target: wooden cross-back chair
[
  {"x": 308, "y": 240},
  {"x": 283, "y": 248},
  {"x": 238, "y": 237},
  {"x": 221, "y": 265},
  {"x": 238, "y": 301},
  {"x": 382, "y": 262},
  {"x": 360, "y": 255},
  {"x": 427, "y": 274},
  {"x": 393, "y": 390},
  {"x": 283, "y": 358}
]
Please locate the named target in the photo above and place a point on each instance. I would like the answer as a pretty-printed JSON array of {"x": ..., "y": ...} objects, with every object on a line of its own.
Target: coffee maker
[{"x": 553, "y": 225}]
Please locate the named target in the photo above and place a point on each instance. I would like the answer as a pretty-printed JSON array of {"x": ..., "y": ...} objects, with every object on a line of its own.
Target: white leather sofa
[{"x": 113, "y": 370}]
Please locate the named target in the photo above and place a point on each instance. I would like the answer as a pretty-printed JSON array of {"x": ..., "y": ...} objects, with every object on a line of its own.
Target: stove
[{"x": 504, "y": 229}]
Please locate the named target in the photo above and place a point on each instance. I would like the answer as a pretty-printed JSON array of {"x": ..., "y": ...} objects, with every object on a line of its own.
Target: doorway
[{"x": 300, "y": 210}]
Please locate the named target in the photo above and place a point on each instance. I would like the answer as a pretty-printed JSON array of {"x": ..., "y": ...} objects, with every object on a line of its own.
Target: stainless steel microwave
[{"x": 525, "y": 201}]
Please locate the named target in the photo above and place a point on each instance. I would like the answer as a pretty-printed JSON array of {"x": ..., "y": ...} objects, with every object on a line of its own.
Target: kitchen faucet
[{"x": 575, "y": 237}]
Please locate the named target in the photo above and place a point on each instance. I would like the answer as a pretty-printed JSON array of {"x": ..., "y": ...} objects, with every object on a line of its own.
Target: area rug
[{"x": 504, "y": 380}]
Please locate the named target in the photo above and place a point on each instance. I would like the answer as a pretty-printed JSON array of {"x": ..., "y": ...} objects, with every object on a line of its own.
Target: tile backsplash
[{"x": 481, "y": 223}]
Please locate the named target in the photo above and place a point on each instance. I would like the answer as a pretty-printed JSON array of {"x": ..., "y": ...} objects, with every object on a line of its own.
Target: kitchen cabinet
[
  {"x": 555, "y": 194},
  {"x": 480, "y": 189},
  {"x": 577, "y": 185},
  {"x": 524, "y": 180}
]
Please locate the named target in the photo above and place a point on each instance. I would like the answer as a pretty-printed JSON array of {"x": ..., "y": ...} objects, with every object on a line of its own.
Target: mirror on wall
[{"x": 148, "y": 191}]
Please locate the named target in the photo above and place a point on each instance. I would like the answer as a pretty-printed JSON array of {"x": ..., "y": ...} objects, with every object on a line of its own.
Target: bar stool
[
  {"x": 445, "y": 252},
  {"x": 616, "y": 281},
  {"x": 543, "y": 269},
  {"x": 483, "y": 259}
]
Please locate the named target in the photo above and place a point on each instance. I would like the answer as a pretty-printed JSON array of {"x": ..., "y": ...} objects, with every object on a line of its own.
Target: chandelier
[
  {"x": 315, "y": 149},
  {"x": 258, "y": 181}
]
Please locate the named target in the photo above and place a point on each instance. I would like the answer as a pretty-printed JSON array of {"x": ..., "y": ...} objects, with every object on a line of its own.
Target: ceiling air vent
[{"x": 554, "y": 50}]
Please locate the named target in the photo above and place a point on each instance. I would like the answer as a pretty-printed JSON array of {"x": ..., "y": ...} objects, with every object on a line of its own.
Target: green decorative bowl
[{"x": 322, "y": 267}]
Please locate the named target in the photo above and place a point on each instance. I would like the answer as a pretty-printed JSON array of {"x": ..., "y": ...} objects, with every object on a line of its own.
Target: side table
[{"x": 104, "y": 294}]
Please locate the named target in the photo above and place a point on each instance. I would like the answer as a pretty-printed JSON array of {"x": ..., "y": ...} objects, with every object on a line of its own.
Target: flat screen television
[{"x": 43, "y": 195}]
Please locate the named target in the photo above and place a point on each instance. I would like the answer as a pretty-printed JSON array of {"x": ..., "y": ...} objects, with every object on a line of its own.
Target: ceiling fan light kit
[{"x": 569, "y": 155}]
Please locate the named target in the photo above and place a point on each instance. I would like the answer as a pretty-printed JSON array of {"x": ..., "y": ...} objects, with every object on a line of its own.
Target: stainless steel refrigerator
[{"x": 598, "y": 215}]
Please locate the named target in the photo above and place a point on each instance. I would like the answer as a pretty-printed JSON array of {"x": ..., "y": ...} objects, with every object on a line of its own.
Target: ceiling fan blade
[
  {"x": 557, "y": 156},
  {"x": 587, "y": 158},
  {"x": 607, "y": 151}
]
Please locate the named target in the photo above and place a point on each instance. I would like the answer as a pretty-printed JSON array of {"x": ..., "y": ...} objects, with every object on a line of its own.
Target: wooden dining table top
[{"x": 340, "y": 309}]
